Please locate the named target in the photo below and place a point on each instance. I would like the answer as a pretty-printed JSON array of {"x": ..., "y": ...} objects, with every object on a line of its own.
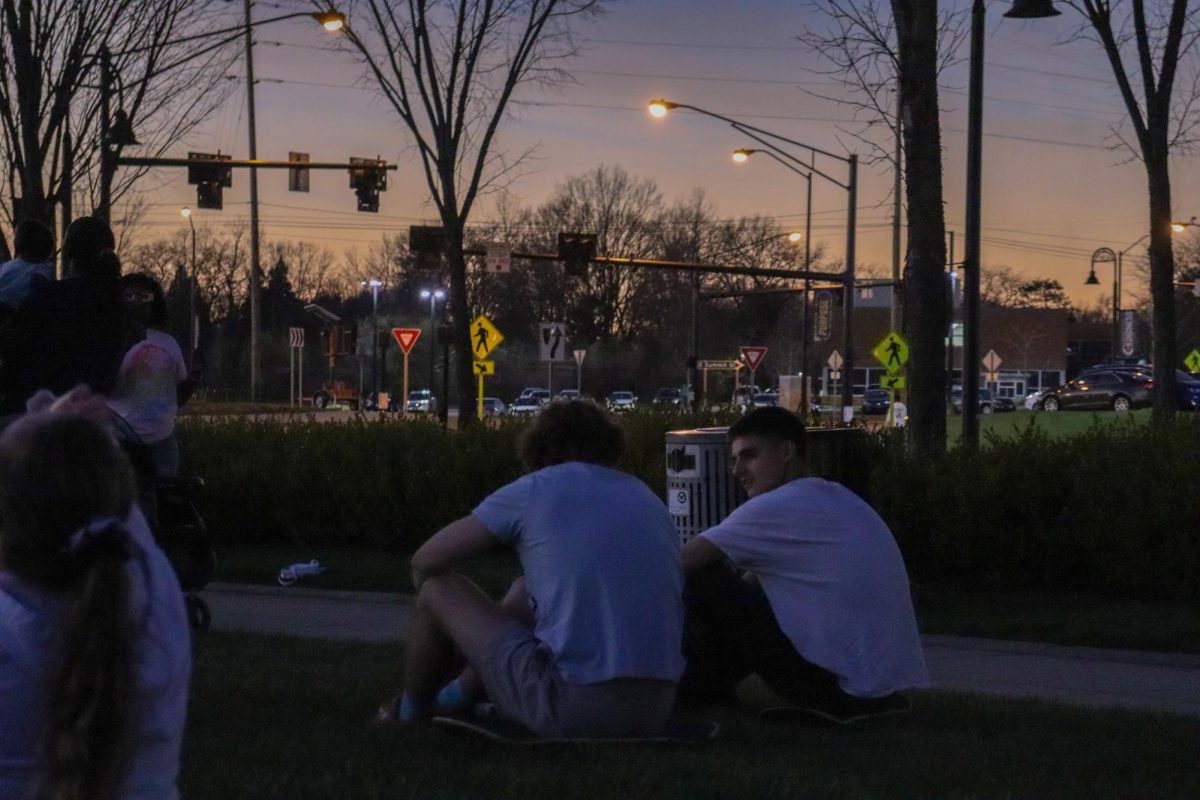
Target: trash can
[{"x": 701, "y": 490}]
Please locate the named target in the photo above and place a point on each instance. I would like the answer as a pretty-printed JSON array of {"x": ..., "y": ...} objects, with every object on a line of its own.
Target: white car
[
  {"x": 529, "y": 404},
  {"x": 620, "y": 402}
]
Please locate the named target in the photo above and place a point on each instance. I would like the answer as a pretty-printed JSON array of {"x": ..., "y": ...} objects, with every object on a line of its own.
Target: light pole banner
[
  {"x": 823, "y": 316},
  {"x": 1129, "y": 334}
]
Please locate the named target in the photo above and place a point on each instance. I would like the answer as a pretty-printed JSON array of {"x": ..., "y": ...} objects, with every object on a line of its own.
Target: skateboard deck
[
  {"x": 900, "y": 705},
  {"x": 502, "y": 731}
]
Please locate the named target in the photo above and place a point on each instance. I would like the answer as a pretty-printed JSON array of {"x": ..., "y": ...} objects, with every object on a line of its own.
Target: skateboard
[
  {"x": 501, "y": 731},
  {"x": 897, "y": 705}
]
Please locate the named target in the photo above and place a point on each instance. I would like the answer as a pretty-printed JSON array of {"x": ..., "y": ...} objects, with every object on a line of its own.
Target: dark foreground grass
[
  {"x": 286, "y": 718},
  {"x": 1029, "y": 615}
]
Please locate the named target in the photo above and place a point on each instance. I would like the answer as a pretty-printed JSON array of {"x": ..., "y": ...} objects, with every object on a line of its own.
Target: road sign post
[
  {"x": 579, "y": 355},
  {"x": 296, "y": 357},
  {"x": 485, "y": 337},
  {"x": 753, "y": 356},
  {"x": 892, "y": 352},
  {"x": 406, "y": 338},
  {"x": 482, "y": 368}
]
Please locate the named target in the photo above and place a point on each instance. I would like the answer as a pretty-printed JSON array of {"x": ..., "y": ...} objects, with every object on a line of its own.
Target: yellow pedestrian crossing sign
[
  {"x": 891, "y": 382},
  {"x": 484, "y": 367},
  {"x": 484, "y": 337},
  {"x": 892, "y": 352},
  {"x": 1192, "y": 362}
]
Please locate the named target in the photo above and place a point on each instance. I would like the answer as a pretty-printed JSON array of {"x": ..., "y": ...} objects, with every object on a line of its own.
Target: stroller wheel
[{"x": 199, "y": 616}]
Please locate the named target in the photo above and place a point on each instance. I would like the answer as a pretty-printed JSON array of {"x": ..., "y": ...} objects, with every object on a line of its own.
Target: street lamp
[
  {"x": 742, "y": 155},
  {"x": 1021, "y": 9},
  {"x": 660, "y": 108},
  {"x": 331, "y": 21},
  {"x": 432, "y": 295},
  {"x": 186, "y": 213},
  {"x": 374, "y": 283},
  {"x": 1105, "y": 254}
]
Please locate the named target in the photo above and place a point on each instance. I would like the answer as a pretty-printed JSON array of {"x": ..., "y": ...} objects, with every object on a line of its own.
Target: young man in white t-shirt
[
  {"x": 589, "y": 641},
  {"x": 821, "y": 609}
]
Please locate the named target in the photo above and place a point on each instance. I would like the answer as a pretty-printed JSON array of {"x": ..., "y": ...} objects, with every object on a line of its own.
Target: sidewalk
[{"x": 1075, "y": 675}]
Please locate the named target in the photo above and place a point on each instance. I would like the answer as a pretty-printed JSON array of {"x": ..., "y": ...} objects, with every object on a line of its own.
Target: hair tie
[{"x": 106, "y": 534}]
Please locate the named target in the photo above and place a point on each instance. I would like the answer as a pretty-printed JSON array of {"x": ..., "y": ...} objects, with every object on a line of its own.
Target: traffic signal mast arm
[
  {"x": 755, "y": 272},
  {"x": 136, "y": 161}
]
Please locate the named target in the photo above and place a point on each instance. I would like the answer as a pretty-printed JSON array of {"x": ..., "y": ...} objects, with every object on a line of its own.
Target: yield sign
[
  {"x": 835, "y": 360},
  {"x": 406, "y": 337},
  {"x": 753, "y": 356}
]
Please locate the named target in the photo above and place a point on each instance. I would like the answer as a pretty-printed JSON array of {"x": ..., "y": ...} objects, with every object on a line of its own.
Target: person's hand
[{"x": 80, "y": 401}]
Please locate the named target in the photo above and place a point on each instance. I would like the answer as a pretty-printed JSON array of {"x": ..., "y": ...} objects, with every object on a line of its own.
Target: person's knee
[{"x": 437, "y": 590}]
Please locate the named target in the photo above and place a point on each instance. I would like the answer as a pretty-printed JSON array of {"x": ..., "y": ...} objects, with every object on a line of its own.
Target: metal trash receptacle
[{"x": 701, "y": 490}]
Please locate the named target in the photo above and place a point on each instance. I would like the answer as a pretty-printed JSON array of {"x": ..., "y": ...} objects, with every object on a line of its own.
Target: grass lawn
[
  {"x": 1024, "y": 615},
  {"x": 1060, "y": 424},
  {"x": 286, "y": 718}
]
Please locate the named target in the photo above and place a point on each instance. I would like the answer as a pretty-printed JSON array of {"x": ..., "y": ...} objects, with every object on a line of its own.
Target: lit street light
[
  {"x": 1104, "y": 255},
  {"x": 742, "y": 155},
  {"x": 432, "y": 295},
  {"x": 186, "y": 213},
  {"x": 659, "y": 109}
]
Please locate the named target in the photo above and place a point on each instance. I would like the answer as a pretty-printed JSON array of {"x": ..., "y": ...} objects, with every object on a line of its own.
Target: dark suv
[
  {"x": 1118, "y": 390},
  {"x": 671, "y": 399}
]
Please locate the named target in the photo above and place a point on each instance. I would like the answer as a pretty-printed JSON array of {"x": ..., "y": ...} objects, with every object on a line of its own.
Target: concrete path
[{"x": 1075, "y": 675}]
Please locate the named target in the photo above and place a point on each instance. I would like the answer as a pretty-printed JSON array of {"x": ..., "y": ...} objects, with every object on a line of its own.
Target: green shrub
[{"x": 1112, "y": 509}]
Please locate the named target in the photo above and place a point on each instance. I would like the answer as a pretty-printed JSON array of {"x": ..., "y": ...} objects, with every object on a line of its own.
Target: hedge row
[{"x": 1114, "y": 509}]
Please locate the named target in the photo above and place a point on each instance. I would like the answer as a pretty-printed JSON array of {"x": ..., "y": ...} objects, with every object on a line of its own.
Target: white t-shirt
[
  {"x": 146, "y": 386},
  {"x": 602, "y": 569},
  {"x": 835, "y": 579}
]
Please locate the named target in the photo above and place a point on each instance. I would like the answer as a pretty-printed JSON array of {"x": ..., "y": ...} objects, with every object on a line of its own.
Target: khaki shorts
[{"x": 526, "y": 686}]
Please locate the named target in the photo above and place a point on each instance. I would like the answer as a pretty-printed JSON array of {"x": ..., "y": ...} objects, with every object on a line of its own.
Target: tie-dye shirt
[{"x": 146, "y": 387}]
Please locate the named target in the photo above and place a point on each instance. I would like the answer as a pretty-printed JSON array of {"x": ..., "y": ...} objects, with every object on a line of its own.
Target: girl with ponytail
[{"x": 94, "y": 645}]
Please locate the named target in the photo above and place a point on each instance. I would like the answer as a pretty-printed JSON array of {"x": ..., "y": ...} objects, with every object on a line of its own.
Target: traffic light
[
  {"x": 209, "y": 178},
  {"x": 427, "y": 242},
  {"x": 576, "y": 251},
  {"x": 368, "y": 178}
]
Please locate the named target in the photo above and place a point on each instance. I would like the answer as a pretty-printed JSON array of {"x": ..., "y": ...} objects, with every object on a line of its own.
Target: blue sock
[
  {"x": 409, "y": 710},
  {"x": 453, "y": 696}
]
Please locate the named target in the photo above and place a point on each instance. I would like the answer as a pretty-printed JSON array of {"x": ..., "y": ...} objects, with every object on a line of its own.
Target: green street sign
[
  {"x": 892, "y": 352},
  {"x": 891, "y": 382},
  {"x": 1192, "y": 362}
]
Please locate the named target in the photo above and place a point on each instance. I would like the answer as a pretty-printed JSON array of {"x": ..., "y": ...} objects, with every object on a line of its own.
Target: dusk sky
[{"x": 1053, "y": 189}]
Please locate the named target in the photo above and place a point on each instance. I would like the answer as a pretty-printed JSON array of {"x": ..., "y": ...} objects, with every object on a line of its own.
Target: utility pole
[{"x": 255, "y": 274}]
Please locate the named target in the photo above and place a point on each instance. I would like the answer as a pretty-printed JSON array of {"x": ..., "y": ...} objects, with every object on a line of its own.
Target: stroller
[{"x": 169, "y": 506}]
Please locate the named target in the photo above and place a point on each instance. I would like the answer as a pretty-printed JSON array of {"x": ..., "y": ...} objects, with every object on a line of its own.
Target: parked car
[
  {"x": 876, "y": 401},
  {"x": 568, "y": 394},
  {"x": 988, "y": 403},
  {"x": 765, "y": 399},
  {"x": 1187, "y": 391},
  {"x": 668, "y": 399},
  {"x": 743, "y": 396},
  {"x": 422, "y": 401},
  {"x": 529, "y": 403},
  {"x": 528, "y": 392},
  {"x": 1120, "y": 391},
  {"x": 1034, "y": 399},
  {"x": 1187, "y": 386},
  {"x": 493, "y": 407},
  {"x": 620, "y": 402}
]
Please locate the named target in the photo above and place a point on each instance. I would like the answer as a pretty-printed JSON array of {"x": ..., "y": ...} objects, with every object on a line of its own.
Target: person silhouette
[
  {"x": 893, "y": 350},
  {"x": 481, "y": 334}
]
